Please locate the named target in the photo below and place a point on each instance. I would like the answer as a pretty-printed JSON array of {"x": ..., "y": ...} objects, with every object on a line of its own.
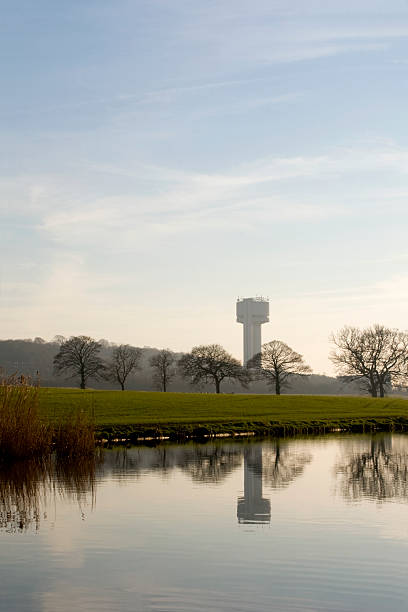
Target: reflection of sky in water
[{"x": 158, "y": 530}]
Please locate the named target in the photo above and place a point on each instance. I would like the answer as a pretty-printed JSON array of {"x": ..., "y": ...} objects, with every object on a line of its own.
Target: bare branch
[
  {"x": 211, "y": 363},
  {"x": 125, "y": 360},
  {"x": 163, "y": 365},
  {"x": 377, "y": 356},
  {"x": 277, "y": 363},
  {"x": 79, "y": 357}
]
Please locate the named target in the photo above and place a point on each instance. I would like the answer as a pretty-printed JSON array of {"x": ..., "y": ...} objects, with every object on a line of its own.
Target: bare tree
[
  {"x": 277, "y": 363},
  {"x": 377, "y": 356},
  {"x": 163, "y": 365},
  {"x": 125, "y": 360},
  {"x": 211, "y": 363},
  {"x": 79, "y": 357}
]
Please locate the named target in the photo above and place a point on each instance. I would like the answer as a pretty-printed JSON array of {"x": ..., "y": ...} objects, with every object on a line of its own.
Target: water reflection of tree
[
  {"x": 379, "y": 472},
  {"x": 282, "y": 464},
  {"x": 275, "y": 464},
  {"x": 27, "y": 487},
  {"x": 211, "y": 464},
  {"x": 207, "y": 463}
]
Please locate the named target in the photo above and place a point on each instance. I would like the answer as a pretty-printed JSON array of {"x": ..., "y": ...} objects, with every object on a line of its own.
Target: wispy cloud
[
  {"x": 177, "y": 201},
  {"x": 243, "y": 105},
  {"x": 167, "y": 94},
  {"x": 272, "y": 33}
]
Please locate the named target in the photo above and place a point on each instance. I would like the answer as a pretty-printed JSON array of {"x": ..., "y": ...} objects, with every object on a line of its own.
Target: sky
[{"x": 160, "y": 158}]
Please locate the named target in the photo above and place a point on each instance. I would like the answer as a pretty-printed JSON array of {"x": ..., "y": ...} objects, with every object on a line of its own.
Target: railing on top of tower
[{"x": 257, "y": 298}]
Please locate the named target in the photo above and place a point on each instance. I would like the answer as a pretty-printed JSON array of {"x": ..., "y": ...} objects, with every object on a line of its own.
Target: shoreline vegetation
[
  {"x": 27, "y": 433},
  {"x": 135, "y": 416},
  {"x": 35, "y": 422}
]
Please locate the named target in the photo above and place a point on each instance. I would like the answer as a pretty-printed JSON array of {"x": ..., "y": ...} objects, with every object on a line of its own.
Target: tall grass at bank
[
  {"x": 75, "y": 436},
  {"x": 25, "y": 434}
]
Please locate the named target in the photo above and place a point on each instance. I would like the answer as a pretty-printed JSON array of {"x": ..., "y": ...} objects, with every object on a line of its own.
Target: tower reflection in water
[{"x": 252, "y": 507}]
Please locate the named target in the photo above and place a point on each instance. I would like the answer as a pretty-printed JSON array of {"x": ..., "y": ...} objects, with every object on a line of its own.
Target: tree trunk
[
  {"x": 164, "y": 385},
  {"x": 82, "y": 379},
  {"x": 217, "y": 385},
  {"x": 373, "y": 387},
  {"x": 122, "y": 385},
  {"x": 277, "y": 386}
]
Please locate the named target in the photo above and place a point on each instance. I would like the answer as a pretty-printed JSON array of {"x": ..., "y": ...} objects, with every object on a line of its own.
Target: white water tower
[{"x": 252, "y": 312}]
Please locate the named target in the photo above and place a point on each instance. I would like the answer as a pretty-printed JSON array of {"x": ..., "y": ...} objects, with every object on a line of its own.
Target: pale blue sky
[{"x": 160, "y": 158}]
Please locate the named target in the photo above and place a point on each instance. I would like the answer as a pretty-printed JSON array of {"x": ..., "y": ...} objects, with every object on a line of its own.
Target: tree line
[
  {"x": 34, "y": 358},
  {"x": 79, "y": 358},
  {"x": 372, "y": 360}
]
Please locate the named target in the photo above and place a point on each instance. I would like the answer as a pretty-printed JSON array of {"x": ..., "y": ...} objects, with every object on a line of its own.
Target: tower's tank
[{"x": 252, "y": 313}]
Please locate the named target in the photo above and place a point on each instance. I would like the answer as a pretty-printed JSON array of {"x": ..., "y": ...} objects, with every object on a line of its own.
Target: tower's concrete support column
[{"x": 252, "y": 312}]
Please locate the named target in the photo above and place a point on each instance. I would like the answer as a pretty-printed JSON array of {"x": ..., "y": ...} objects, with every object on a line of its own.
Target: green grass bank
[{"x": 136, "y": 414}]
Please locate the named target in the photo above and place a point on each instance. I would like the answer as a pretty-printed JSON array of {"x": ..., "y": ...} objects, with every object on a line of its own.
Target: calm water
[{"x": 315, "y": 524}]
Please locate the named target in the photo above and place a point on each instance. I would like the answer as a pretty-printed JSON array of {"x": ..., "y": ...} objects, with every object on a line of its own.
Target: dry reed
[
  {"x": 75, "y": 436},
  {"x": 22, "y": 432}
]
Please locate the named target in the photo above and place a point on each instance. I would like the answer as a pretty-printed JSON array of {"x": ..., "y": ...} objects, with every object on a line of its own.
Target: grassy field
[{"x": 138, "y": 413}]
